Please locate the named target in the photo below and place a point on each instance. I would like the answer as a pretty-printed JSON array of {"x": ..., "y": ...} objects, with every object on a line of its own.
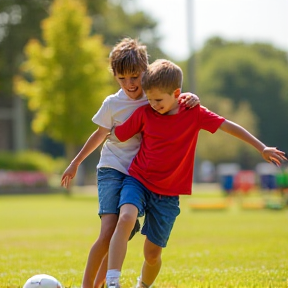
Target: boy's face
[
  {"x": 131, "y": 84},
  {"x": 163, "y": 102}
]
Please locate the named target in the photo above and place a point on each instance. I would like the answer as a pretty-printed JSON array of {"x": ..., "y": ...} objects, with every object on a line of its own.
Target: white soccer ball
[{"x": 42, "y": 281}]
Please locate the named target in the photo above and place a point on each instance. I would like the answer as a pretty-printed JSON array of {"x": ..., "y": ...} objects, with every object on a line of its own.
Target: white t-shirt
[{"x": 114, "y": 111}]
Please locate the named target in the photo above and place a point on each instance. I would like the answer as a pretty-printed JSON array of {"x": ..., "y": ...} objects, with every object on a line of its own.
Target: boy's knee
[
  {"x": 128, "y": 214},
  {"x": 127, "y": 219},
  {"x": 106, "y": 236},
  {"x": 152, "y": 256}
]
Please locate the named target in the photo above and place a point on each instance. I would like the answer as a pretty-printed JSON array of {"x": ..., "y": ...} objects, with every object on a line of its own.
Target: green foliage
[
  {"x": 121, "y": 19},
  {"x": 20, "y": 21},
  {"x": 232, "y": 248},
  {"x": 253, "y": 73},
  {"x": 70, "y": 76},
  {"x": 224, "y": 146},
  {"x": 30, "y": 161}
]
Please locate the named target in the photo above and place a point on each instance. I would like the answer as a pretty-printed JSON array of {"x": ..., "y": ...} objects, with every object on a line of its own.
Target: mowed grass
[{"x": 234, "y": 248}]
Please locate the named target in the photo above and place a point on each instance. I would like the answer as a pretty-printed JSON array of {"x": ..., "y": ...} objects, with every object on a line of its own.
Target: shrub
[{"x": 30, "y": 161}]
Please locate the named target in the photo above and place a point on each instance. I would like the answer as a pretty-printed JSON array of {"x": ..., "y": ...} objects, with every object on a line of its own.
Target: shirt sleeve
[
  {"x": 133, "y": 125},
  {"x": 103, "y": 117},
  {"x": 209, "y": 120}
]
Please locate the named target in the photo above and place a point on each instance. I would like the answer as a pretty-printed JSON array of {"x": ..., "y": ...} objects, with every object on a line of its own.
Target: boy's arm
[
  {"x": 91, "y": 144},
  {"x": 270, "y": 154},
  {"x": 132, "y": 126}
]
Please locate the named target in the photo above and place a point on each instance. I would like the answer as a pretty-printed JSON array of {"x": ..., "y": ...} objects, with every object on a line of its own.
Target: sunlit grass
[{"x": 236, "y": 248}]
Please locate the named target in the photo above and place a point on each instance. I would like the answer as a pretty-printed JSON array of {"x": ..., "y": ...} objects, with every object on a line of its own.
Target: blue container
[
  {"x": 226, "y": 182},
  {"x": 268, "y": 182}
]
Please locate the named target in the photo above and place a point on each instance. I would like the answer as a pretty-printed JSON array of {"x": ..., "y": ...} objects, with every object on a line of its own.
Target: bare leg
[
  {"x": 152, "y": 263},
  {"x": 118, "y": 244},
  {"x": 101, "y": 275},
  {"x": 99, "y": 249}
]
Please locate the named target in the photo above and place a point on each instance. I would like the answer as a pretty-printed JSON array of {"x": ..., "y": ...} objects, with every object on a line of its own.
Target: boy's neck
[{"x": 174, "y": 110}]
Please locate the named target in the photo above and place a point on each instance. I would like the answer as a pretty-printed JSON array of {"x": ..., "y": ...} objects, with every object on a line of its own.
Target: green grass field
[{"x": 234, "y": 248}]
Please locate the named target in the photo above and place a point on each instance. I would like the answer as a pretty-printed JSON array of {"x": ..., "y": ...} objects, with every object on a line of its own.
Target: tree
[
  {"x": 69, "y": 75},
  {"x": 20, "y": 21},
  {"x": 15, "y": 15},
  {"x": 255, "y": 73},
  {"x": 220, "y": 146},
  {"x": 116, "y": 22}
]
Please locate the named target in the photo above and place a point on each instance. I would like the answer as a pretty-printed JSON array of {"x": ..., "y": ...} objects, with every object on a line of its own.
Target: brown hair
[
  {"x": 128, "y": 57},
  {"x": 164, "y": 75}
]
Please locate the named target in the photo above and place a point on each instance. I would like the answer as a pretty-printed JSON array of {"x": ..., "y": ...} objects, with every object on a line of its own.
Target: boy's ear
[{"x": 177, "y": 92}]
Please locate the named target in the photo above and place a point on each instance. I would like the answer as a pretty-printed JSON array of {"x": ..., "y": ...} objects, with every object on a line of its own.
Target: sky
[{"x": 245, "y": 20}]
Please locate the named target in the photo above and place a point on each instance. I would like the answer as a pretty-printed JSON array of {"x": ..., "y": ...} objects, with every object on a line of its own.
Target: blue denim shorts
[
  {"x": 110, "y": 183},
  {"x": 160, "y": 211}
]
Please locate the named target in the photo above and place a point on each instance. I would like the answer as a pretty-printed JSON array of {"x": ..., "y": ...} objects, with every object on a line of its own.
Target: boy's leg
[
  {"x": 118, "y": 243},
  {"x": 161, "y": 213},
  {"x": 101, "y": 275},
  {"x": 99, "y": 249},
  {"x": 109, "y": 186},
  {"x": 151, "y": 265},
  {"x": 132, "y": 202}
]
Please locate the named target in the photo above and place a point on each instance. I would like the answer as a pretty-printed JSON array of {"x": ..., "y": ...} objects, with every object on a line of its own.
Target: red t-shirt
[{"x": 164, "y": 164}]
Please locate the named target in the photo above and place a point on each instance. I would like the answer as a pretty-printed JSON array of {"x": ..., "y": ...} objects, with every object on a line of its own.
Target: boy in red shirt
[{"x": 163, "y": 168}]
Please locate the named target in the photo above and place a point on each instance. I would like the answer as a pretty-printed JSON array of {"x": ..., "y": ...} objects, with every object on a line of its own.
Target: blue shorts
[
  {"x": 110, "y": 183},
  {"x": 161, "y": 211}
]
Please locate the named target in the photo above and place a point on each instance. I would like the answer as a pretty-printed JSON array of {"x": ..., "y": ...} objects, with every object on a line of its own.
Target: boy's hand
[
  {"x": 188, "y": 99},
  {"x": 69, "y": 174},
  {"x": 273, "y": 155}
]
